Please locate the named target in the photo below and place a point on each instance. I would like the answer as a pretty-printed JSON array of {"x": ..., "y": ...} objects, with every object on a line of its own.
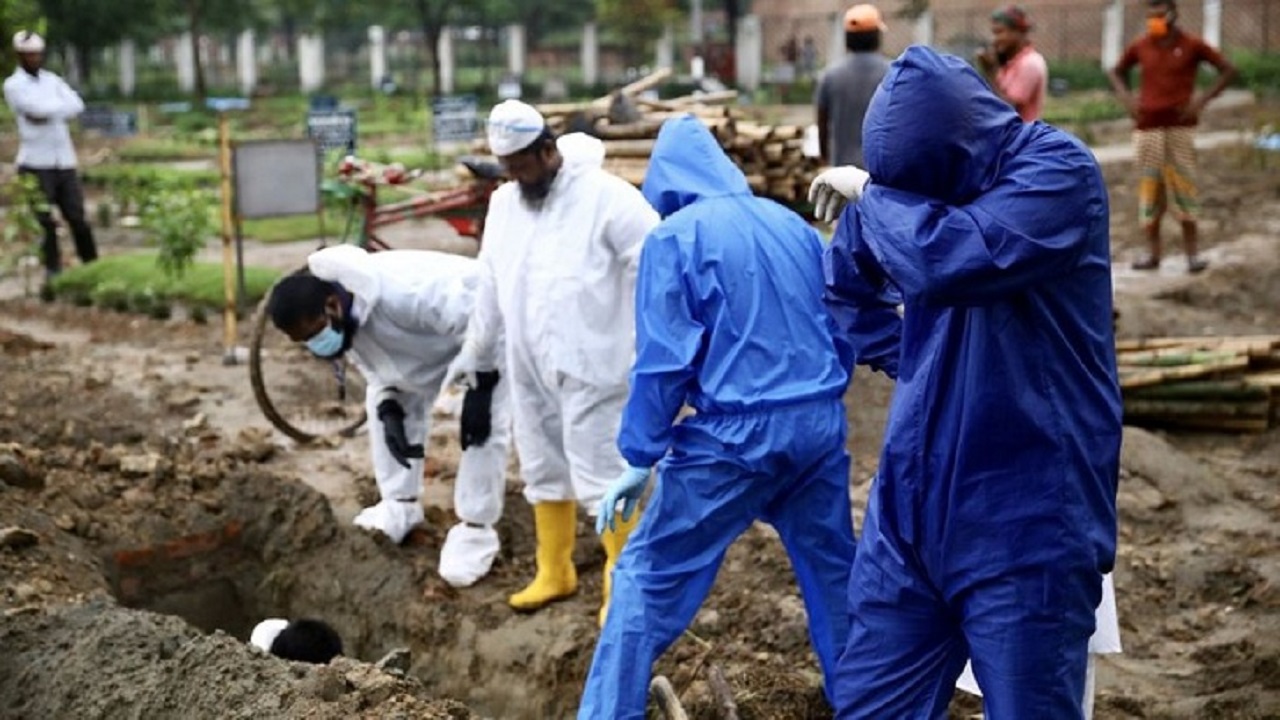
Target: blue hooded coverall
[
  {"x": 993, "y": 516},
  {"x": 729, "y": 319}
]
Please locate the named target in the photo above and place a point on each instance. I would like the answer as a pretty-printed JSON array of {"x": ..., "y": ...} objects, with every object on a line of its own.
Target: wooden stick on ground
[
  {"x": 722, "y": 692},
  {"x": 665, "y": 695}
]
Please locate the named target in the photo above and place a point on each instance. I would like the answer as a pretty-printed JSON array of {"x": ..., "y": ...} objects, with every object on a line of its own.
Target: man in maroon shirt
[{"x": 1166, "y": 111}]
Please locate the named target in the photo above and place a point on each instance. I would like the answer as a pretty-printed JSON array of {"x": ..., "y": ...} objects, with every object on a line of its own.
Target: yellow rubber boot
[
  {"x": 556, "y": 525},
  {"x": 613, "y": 542}
]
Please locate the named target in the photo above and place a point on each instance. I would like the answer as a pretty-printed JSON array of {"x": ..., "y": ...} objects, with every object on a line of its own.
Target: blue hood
[
  {"x": 688, "y": 165},
  {"x": 934, "y": 128}
]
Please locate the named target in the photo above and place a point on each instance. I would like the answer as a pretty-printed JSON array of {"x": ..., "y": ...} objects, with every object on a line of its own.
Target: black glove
[
  {"x": 477, "y": 420},
  {"x": 392, "y": 416}
]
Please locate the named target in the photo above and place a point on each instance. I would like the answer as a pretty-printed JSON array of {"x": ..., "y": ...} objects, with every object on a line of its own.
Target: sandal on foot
[
  {"x": 1196, "y": 265},
  {"x": 1148, "y": 262}
]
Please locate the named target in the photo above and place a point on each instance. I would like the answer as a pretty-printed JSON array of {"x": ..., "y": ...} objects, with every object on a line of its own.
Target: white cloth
[
  {"x": 25, "y": 41},
  {"x": 1104, "y": 641},
  {"x": 559, "y": 285},
  {"x": 467, "y": 554},
  {"x": 413, "y": 307},
  {"x": 566, "y": 437},
  {"x": 513, "y": 126},
  {"x": 45, "y": 96},
  {"x": 265, "y": 633}
]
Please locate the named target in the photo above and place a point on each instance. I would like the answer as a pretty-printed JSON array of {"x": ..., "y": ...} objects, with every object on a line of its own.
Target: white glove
[
  {"x": 463, "y": 369},
  {"x": 832, "y": 189}
]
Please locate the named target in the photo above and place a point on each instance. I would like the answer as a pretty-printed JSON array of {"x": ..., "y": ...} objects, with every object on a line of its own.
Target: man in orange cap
[{"x": 847, "y": 86}]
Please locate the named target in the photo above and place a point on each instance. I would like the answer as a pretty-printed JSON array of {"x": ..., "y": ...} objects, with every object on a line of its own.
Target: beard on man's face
[{"x": 535, "y": 192}]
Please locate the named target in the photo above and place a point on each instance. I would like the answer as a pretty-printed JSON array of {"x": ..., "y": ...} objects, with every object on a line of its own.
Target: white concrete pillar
[
  {"x": 515, "y": 49},
  {"x": 695, "y": 24},
  {"x": 665, "y": 57},
  {"x": 1213, "y": 22},
  {"x": 838, "y": 49},
  {"x": 247, "y": 62},
  {"x": 922, "y": 32},
  {"x": 1112, "y": 33},
  {"x": 128, "y": 68},
  {"x": 185, "y": 57},
  {"x": 310, "y": 62},
  {"x": 448, "y": 66},
  {"x": 590, "y": 54},
  {"x": 750, "y": 53},
  {"x": 377, "y": 55}
]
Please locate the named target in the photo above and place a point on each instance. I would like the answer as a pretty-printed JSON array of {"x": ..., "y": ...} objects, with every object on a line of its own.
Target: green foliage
[
  {"x": 22, "y": 230},
  {"x": 178, "y": 221},
  {"x": 138, "y": 273},
  {"x": 1259, "y": 72},
  {"x": 1079, "y": 74},
  {"x": 17, "y": 15},
  {"x": 637, "y": 24}
]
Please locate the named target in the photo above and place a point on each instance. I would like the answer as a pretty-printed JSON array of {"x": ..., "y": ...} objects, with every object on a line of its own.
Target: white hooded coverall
[
  {"x": 559, "y": 282},
  {"x": 412, "y": 307}
]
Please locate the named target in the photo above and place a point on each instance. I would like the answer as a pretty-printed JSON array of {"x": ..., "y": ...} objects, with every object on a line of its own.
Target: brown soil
[{"x": 168, "y": 519}]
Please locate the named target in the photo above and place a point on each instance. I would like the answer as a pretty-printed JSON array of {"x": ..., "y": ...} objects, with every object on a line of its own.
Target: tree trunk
[
  {"x": 431, "y": 35},
  {"x": 732, "y": 13},
  {"x": 84, "y": 62},
  {"x": 194, "y": 8}
]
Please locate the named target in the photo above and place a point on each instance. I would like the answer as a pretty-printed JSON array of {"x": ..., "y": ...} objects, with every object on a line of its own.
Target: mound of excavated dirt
[{"x": 100, "y": 660}]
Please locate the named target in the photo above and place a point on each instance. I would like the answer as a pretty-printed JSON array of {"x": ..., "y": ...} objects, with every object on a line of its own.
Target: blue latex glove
[{"x": 628, "y": 487}]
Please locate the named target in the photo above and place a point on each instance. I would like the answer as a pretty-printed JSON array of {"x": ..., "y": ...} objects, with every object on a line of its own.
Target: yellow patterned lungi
[{"x": 1167, "y": 169}]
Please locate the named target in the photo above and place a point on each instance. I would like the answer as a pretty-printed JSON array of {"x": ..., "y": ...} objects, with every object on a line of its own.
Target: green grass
[
  {"x": 295, "y": 227},
  {"x": 137, "y": 274},
  {"x": 111, "y": 175},
  {"x": 1083, "y": 107},
  {"x": 152, "y": 149}
]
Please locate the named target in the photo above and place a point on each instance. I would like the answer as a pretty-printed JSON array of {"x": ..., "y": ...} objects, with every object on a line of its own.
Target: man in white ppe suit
[
  {"x": 42, "y": 103},
  {"x": 402, "y": 314},
  {"x": 560, "y": 252}
]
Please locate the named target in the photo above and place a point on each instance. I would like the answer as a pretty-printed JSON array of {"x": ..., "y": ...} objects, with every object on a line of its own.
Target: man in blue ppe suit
[
  {"x": 730, "y": 320},
  {"x": 993, "y": 517}
]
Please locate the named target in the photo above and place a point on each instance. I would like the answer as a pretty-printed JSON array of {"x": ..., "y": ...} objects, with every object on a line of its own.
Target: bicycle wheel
[{"x": 303, "y": 397}]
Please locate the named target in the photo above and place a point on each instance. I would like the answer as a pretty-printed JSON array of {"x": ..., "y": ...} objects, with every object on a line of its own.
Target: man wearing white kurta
[
  {"x": 42, "y": 103},
  {"x": 561, "y": 247}
]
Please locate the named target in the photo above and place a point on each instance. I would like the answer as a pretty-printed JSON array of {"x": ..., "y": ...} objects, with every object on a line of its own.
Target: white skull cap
[
  {"x": 265, "y": 633},
  {"x": 26, "y": 41},
  {"x": 513, "y": 126}
]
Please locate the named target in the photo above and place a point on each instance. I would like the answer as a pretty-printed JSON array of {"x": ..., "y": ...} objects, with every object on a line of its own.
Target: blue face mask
[{"x": 327, "y": 343}]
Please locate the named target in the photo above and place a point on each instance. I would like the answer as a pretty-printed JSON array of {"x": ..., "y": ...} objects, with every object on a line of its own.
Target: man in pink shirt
[{"x": 1015, "y": 70}]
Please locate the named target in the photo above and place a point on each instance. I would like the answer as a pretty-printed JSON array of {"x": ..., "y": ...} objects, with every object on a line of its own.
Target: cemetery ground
[{"x": 149, "y": 515}]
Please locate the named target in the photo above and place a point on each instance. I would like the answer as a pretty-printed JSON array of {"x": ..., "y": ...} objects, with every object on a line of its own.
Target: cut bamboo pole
[
  {"x": 1171, "y": 408},
  {"x": 1169, "y": 359},
  {"x": 1209, "y": 422},
  {"x": 1187, "y": 372},
  {"x": 1203, "y": 390}
]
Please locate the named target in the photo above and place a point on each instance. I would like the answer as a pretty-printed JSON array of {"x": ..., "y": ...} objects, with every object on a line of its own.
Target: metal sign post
[{"x": 228, "y": 264}]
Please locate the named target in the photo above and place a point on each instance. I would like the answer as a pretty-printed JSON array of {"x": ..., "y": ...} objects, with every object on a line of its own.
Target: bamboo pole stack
[
  {"x": 771, "y": 156},
  {"x": 1229, "y": 384}
]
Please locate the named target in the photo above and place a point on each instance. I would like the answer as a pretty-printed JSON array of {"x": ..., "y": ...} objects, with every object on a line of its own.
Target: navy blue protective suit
[
  {"x": 993, "y": 516},
  {"x": 730, "y": 320}
]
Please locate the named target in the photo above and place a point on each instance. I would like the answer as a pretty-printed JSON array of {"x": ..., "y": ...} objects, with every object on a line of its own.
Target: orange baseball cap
[{"x": 863, "y": 18}]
